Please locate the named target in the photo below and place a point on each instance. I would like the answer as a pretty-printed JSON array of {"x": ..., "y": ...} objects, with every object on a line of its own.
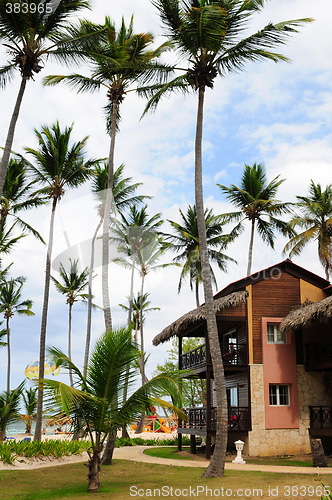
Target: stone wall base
[{"x": 272, "y": 442}]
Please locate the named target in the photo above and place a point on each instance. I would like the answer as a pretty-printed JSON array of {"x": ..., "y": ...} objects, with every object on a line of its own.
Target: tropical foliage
[
  {"x": 96, "y": 400},
  {"x": 30, "y": 36},
  {"x": 30, "y": 402},
  {"x": 255, "y": 198},
  {"x": 58, "y": 165},
  {"x": 9, "y": 408},
  {"x": 119, "y": 59},
  {"x": 137, "y": 304},
  {"x": 315, "y": 223},
  {"x": 11, "y": 304},
  {"x": 185, "y": 242},
  {"x": 16, "y": 195},
  {"x": 124, "y": 197},
  {"x": 72, "y": 285}
]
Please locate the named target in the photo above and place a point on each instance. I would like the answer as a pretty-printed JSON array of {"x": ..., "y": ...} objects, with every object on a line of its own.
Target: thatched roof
[
  {"x": 306, "y": 313},
  {"x": 198, "y": 315}
]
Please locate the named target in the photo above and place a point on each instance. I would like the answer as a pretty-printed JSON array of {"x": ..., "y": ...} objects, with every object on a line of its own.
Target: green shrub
[
  {"x": 149, "y": 442},
  {"x": 9, "y": 450}
]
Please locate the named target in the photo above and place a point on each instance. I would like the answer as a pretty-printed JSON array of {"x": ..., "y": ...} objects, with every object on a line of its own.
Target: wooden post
[
  {"x": 179, "y": 420},
  {"x": 193, "y": 444},
  {"x": 208, "y": 447},
  {"x": 180, "y": 352},
  {"x": 179, "y": 441}
]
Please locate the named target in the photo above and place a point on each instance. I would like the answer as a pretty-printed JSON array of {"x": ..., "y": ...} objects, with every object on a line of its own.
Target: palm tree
[
  {"x": 98, "y": 401},
  {"x": 208, "y": 33},
  {"x": 9, "y": 408},
  {"x": 316, "y": 221},
  {"x": 185, "y": 242},
  {"x": 30, "y": 37},
  {"x": 124, "y": 196},
  {"x": 72, "y": 286},
  {"x": 118, "y": 60},
  {"x": 257, "y": 203},
  {"x": 58, "y": 165},
  {"x": 16, "y": 195},
  {"x": 148, "y": 257},
  {"x": 137, "y": 303},
  {"x": 131, "y": 233},
  {"x": 30, "y": 402},
  {"x": 3, "y": 334},
  {"x": 11, "y": 304}
]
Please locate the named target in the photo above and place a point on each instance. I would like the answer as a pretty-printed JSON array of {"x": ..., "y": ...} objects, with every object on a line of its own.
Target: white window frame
[
  {"x": 276, "y": 331},
  {"x": 277, "y": 386}
]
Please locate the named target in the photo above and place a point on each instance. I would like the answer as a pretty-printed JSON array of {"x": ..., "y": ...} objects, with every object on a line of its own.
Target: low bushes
[
  {"x": 10, "y": 450},
  {"x": 149, "y": 442}
]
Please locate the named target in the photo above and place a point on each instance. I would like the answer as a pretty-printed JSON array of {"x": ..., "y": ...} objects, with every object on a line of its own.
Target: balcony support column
[
  {"x": 193, "y": 444},
  {"x": 180, "y": 367},
  {"x": 179, "y": 441}
]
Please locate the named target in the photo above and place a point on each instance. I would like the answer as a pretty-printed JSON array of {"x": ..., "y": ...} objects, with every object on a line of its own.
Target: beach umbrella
[{"x": 50, "y": 368}]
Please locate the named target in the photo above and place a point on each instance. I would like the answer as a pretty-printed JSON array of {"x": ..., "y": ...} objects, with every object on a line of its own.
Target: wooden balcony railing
[
  {"x": 193, "y": 359},
  {"x": 238, "y": 418},
  {"x": 320, "y": 417},
  {"x": 232, "y": 354},
  {"x": 319, "y": 355}
]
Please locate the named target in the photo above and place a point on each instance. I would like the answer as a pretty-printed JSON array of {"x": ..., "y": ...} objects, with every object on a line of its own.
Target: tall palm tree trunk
[
  {"x": 106, "y": 224},
  {"x": 216, "y": 466},
  {"x": 130, "y": 311},
  {"x": 8, "y": 355},
  {"x": 39, "y": 418},
  {"x": 89, "y": 320},
  {"x": 140, "y": 426},
  {"x": 251, "y": 245},
  {"x": 108, "y": 453},
  {"x": 10, "y": 135},
  {"x": 69, "y": 342},
  {"x": 141, "y": 359}
]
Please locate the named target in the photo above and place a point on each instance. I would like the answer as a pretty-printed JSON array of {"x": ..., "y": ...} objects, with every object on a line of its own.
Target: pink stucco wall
[{"x": 279, "y": 367}]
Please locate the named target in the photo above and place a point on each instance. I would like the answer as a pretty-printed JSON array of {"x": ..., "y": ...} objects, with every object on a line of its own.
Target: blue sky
[{"x": 279, "y": 114}]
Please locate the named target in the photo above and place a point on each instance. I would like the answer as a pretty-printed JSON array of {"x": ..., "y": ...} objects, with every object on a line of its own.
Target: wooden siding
[{"x": 272, "y": 298}]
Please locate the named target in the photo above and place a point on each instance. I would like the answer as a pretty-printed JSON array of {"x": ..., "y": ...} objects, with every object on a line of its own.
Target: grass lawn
[
  {"x": 69, "y": 481},
  {"x": 171, "y": 452}
]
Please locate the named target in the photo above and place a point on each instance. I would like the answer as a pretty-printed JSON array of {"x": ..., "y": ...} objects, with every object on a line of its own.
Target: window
[
  {"x": 232, "y": 396},
  {"x": 278, "y": 395},
  {"x": 275, "y": 335}
]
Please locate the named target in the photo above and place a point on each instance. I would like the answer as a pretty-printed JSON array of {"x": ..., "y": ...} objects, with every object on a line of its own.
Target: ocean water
[{"x": 17, "y": 428}]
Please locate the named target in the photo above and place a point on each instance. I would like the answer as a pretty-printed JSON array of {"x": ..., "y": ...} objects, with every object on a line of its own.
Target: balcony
[
  {"x": 234, "y": 354},
  {"x": 320, "y": 417},
  {"x": 318, "y": 356},
  {"x": 192, "y": 360},
  {"x": 238, "y": 419}
]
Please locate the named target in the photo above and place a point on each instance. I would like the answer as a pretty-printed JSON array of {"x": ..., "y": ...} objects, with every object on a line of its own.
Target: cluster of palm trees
[{"x": 210, "y": 39}]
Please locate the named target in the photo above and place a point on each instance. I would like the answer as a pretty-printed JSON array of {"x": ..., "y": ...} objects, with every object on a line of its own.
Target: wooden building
[{"x": 278, "y": 377}]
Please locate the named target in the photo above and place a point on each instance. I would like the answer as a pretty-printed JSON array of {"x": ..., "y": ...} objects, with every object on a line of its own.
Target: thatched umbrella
[
  {"x": 196, "y": 316},
  {"x": 307, "y": 313}
]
